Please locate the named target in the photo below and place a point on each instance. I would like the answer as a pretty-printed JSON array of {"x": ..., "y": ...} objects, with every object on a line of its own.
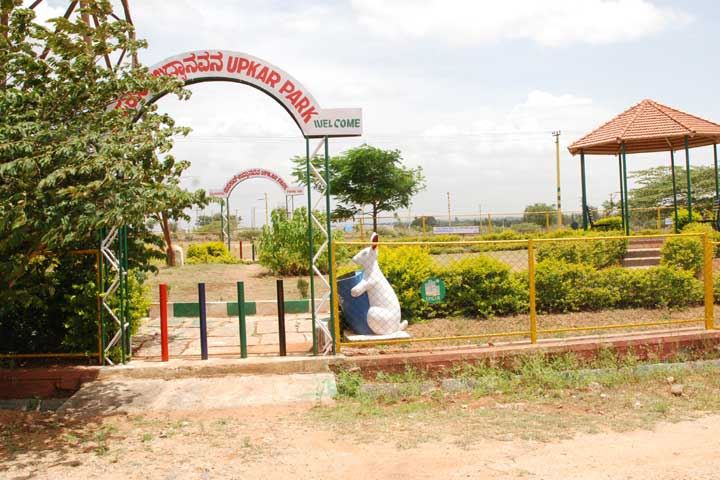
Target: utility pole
[
  {"x": 252, "y": 223},
  {"x": 449, "y": 216},
  {"x": 556, "y": 134}
]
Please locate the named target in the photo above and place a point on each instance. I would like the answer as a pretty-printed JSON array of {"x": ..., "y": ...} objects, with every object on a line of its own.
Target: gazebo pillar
[
  {"x": 625, "y": 187},
  {"x": 717, "y": 187},
  {"x": 674, "y": 185},
  {"x": 689, "y": 182},
  {"x": 622, "y": 191},
  {"x": 584, "y": 191}
]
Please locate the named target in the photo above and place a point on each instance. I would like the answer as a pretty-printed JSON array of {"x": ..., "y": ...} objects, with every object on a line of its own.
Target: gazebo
[{"x": 644, "y": 128}]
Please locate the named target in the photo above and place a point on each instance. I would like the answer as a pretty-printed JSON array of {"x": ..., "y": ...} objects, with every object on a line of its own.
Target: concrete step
[
  {"x": 641, "y": 262},
  {"x": 645, "y": 242},
  {"x": 643, "y": 253}
]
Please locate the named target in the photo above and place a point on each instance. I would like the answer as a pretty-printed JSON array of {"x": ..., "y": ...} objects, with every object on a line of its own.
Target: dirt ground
[
  {"x": 220, "y": 283},
  {"x": 290, "y": 443}
]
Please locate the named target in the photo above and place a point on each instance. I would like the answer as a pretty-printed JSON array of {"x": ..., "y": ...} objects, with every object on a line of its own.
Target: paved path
[
  {"x": 224, "y": 336},
  {"x": 124, "y": 395}
]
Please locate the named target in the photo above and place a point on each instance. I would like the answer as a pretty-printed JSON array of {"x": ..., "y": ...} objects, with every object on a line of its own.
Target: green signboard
[{"x": 433, "y": 290}]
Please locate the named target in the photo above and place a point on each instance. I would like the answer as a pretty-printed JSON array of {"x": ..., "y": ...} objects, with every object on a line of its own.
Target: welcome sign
[{"x": 213, "y": 65}]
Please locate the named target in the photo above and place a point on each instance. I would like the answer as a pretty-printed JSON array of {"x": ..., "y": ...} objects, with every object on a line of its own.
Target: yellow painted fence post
[
  {"x": 531, "y": 283},
  {"x": 708, "y": 280}
]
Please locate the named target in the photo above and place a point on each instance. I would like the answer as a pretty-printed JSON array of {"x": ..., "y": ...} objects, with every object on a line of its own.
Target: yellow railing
[{"x": 520, "y": 259}]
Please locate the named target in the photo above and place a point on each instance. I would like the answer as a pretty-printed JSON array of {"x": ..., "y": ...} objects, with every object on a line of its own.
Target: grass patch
[{"x": 536, "y": 398}]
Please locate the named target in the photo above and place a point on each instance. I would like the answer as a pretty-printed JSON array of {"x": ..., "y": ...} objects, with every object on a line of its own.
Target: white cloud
[{"x": 556, "y": 23}]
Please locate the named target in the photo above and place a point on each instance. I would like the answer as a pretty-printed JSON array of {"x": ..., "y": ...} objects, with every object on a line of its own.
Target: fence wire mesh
[
  {"x": 476, "y": 292},
  {"x": 642, "y": 220}
]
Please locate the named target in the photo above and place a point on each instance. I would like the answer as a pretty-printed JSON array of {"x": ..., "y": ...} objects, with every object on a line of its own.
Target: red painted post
[
  {"x": 240, "y": 249},
  {"x": 164, "y": 323}
]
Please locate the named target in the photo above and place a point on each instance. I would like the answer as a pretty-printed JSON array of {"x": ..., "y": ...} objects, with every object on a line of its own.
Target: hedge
[
  {"x": 480, "y": 286},
  {"x": 596, "y": 253},
  {"x": 210, "y": 252}
]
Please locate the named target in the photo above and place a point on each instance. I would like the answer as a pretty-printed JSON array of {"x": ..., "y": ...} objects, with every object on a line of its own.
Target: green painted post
[
  {"x": 222, "y": 221},
  {"x": 625, "y": 187},
  {"x": 689, "y": 182},
  {"x": 584, "y": 191},
  {"x": 120, "y": 290},
  {"x": 229, "y": 223},
  {"x": 328, "y": 223},
  {"x": 310, "y": 244},
  {"x": 674, "y": 184},
  {"x": 101, "y": 291},
  {"x": 241, "y": 319},
  {"x": 717, "y": 186},
  {"x": 622, "y": 191},
  {"x": 126, "y": 293}
]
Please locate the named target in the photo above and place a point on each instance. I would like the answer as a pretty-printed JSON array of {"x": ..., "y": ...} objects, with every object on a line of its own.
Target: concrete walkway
[
  {"x": 131, "y": 395},
  {"x": 223, "y": 336}
]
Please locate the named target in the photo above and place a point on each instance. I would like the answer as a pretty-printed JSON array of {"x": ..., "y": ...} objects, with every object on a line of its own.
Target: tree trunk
[
  {"x": 374, "y": 215},
  {"x": 165, "y": 226}
]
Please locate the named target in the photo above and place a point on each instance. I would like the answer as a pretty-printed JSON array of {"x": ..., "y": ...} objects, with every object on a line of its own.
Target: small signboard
[
  {"x": 433, "y": 290},
  {"x": 294, "y": 191},
  {"x": 466, "y": 229}
]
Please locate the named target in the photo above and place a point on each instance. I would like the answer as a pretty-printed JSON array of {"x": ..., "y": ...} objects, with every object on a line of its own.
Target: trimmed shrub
[
  {"x": 608, "y": 223},
  {"x": 525, "y": 227},
  {"x": 595, "y": 253},
  {"x": 659, "y": 287},
  {"x": 484, "y": 287},
  {"x": 685, "y": 253},
  {"x": 696, "y": 227},
  {"x": 209, "y": 252},
  {"x": 406, "y": 268},
  {"x": 566, "y": 287},
  {"x": 684, "y": 218}
]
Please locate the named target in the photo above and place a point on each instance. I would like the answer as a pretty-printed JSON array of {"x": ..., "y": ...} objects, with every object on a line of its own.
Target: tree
[
  {"x": 427, "y": 221},
  {"x": 70, "y": 165},
  {"x": 537, "y": 213},
  {"x": 369, "y": 176},
  {"x": 654, "y": 186}
]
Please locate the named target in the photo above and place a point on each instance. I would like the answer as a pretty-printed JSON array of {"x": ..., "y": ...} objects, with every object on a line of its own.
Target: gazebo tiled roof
[{"x": 648, "y": 127}]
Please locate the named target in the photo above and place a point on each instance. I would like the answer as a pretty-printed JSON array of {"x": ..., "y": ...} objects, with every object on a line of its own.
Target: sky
[{"x": 469, "y": 90}]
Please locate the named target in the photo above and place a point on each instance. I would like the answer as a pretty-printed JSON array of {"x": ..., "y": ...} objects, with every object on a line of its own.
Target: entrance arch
[
  {"x": 235, "y": 180},
  {"x": 314, "y": 122},
  {"x": 230, "y": 66}
]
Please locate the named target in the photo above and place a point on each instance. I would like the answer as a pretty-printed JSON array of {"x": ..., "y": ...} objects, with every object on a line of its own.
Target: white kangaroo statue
[{"x": 384, "y": 314}]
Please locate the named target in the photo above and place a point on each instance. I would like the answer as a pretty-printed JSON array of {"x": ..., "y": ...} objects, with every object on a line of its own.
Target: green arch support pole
[
  {"x": 689, "y": 181},
  {"x": 229, "y": 223},
  {"x": 311, "y": 249},
  {"x": 222, "y": 221}
]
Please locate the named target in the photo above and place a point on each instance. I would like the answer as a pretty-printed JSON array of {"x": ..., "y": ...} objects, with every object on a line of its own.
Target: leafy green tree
[
  {"x": 654, "y": 186},
  {"x": 370, "y": 176},
  {"x": 537, "y": 213},
  {"x": 283, "y": 245},
  {"x": 70, "y": 164},
  {"x": 429, "y": 221}
]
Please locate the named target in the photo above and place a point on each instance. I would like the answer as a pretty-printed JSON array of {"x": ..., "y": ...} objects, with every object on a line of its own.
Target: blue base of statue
[{"x": 355, "y": 309}]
